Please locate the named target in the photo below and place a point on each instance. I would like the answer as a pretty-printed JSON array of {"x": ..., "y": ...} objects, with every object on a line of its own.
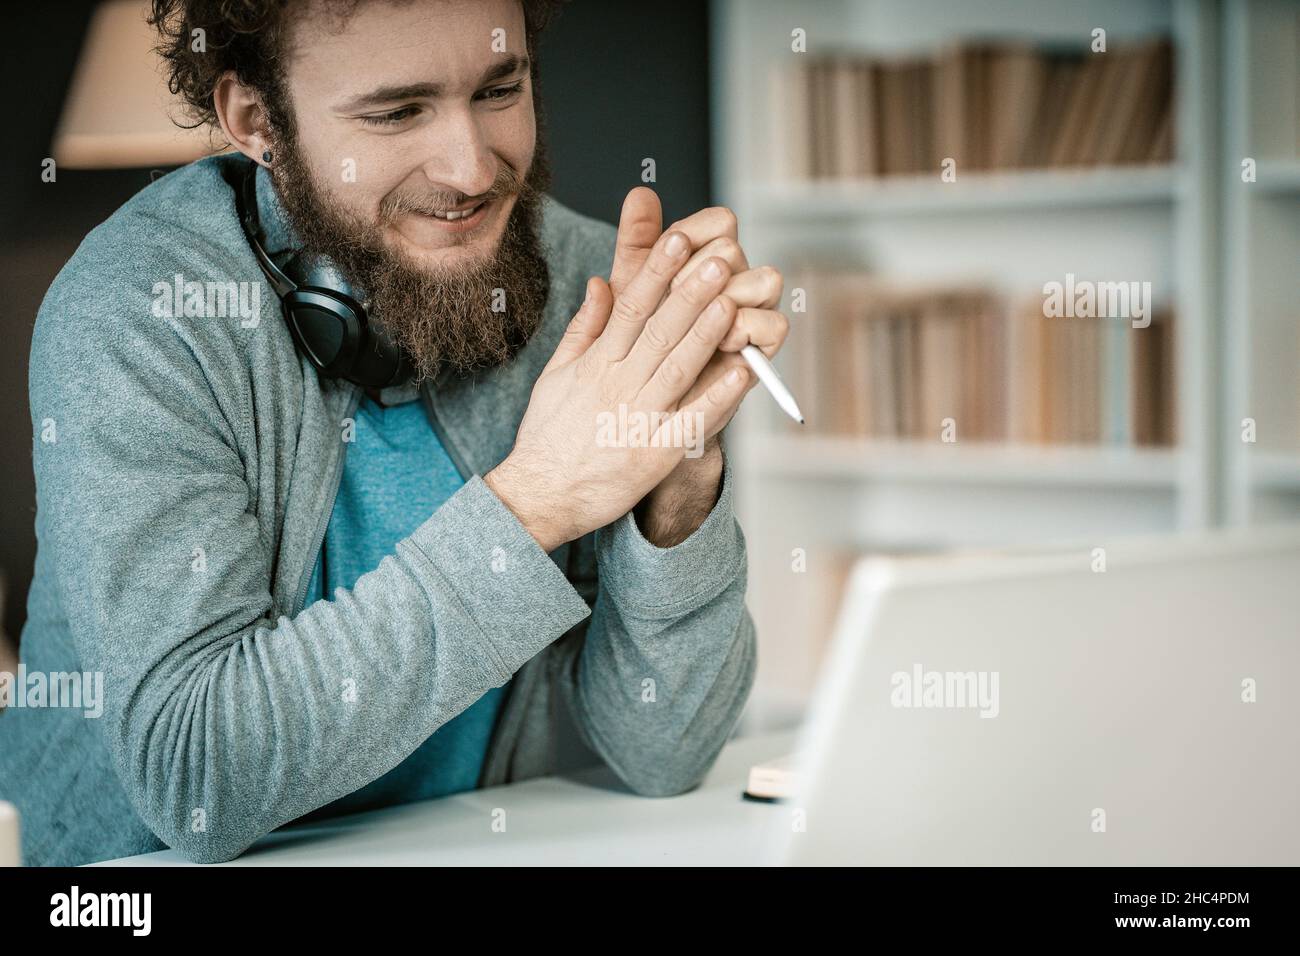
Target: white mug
[{"x": 10, "y": 848}]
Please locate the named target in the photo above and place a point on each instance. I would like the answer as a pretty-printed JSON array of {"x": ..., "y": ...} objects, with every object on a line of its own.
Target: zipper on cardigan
[{"x": 322, "y": 522}]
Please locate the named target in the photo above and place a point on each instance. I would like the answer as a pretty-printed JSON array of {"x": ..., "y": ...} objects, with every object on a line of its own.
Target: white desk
[{"x": 575, "y": 820}]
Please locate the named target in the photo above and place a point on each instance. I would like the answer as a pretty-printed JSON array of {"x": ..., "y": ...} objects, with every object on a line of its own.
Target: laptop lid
[{"x": 1132, "y": 704}]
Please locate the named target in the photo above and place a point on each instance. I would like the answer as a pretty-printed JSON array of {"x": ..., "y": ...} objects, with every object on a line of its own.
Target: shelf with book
[
  {"x": 1027, "y": 190},
  {"x": 959, "y": 362},
  {"x": 1053, "y": 206}
]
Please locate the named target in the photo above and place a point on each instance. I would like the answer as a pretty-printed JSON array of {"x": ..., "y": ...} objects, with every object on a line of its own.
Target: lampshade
[{"x": 119, "y": 110}]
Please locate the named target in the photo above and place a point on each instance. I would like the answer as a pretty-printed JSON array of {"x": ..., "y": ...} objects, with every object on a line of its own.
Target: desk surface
[{"x": 579, "y": 819}]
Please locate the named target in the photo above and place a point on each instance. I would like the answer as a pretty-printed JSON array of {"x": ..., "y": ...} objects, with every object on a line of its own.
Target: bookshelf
[
  {"x": 1064, "y": 466},
  {"x": 1223, "y": 257},
  {"x": 1026, "y": 190}
]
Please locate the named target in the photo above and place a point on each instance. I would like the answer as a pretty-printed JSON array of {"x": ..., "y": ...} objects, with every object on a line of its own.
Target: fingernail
[
  {"x": 714, "y": 311},
  {"x": 735, "y": 376},
  {"x": 676, "y": 244},
  {"x": 711, "y": 270}
]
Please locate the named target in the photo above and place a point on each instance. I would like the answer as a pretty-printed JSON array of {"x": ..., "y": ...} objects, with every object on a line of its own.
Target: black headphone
[{"x": 327, "y": 321}]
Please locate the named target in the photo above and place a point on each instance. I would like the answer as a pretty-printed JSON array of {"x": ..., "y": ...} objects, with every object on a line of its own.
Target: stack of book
[
  {"x": 984, "y": 106},
  {"x": 876, "y": 360}
]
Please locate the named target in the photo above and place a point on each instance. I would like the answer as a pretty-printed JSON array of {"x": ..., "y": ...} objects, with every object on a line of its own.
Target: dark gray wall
[{"x": 621, "y": 81}]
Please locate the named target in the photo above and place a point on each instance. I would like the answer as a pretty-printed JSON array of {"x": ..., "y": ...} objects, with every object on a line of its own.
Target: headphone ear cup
[
  {"x": 326, "y": 327},
  {"x": 327, "y": 321}
]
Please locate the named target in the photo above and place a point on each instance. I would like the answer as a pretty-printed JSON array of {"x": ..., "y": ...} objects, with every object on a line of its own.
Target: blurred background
[{"x": 920, "y": 170}]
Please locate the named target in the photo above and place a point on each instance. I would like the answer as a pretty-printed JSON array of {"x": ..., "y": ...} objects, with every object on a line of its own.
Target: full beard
[{"x": 463, "y": 318}]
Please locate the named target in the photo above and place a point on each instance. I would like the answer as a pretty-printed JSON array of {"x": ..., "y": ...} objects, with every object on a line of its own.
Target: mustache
[
  {"x": 435, "y": 315},
  {"x": 508, "y": 183}
]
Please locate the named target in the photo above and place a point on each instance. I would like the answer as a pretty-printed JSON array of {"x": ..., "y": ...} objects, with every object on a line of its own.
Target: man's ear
[{"x": 242, "y": 118}]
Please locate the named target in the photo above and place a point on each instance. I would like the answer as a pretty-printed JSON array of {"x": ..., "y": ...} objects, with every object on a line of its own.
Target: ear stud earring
[{"x": 266, "y": 156}]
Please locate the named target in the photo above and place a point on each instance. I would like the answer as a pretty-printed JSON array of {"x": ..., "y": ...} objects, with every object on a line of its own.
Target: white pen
[{"x": 756, "y": 360}]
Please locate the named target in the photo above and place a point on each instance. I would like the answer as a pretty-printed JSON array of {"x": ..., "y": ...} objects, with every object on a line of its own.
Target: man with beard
[{"x": 312, "y": 593}]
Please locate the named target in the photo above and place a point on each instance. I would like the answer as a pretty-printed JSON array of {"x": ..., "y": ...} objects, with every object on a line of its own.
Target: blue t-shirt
[{"x": 395, "y": 475}]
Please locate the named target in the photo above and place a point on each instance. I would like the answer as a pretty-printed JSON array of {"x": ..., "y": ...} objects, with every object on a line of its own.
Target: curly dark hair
[{"x": 247, "y": 36}]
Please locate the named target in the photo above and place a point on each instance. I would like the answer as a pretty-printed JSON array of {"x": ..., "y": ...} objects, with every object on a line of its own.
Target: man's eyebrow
[{"x": 507, "y": 65}]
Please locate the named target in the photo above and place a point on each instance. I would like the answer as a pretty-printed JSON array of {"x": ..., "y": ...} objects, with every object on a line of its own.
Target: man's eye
[
  {"x": 390, "y": 119},
  {"x": 503, "y": 92}
]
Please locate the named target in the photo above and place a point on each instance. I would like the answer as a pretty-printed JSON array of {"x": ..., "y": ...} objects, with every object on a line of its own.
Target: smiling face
[
  {"x": 431, "y": 104},
  {"x": 409, "y": 157}
]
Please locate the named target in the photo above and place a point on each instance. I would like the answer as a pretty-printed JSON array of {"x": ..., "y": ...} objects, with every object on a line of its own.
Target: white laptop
[{"x": 1037, "y": 709}]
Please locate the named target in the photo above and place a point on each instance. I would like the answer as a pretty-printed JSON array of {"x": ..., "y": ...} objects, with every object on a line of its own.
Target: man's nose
[{"x": 459, "y": 157}]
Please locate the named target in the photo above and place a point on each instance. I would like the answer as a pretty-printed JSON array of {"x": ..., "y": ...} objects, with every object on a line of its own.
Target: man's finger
[
  {"x": 765, "y": 328},
  {"x": 758, "y": 288},
  {"x": 676, "y": 318},
  {"x": 715, "y": 222},
  {"x": 724, "y": 247},
  {"x": 715, "y": 406},
  {"x": 679, "y": 370},
  {"x": 641, "y": 297},
  {"x": 639, "y": 226},
  {"x": 712, "y": 231},
  {"x": 586, "y": 326}
]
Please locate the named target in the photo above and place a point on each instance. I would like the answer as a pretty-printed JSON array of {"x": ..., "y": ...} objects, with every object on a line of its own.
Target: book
[
  {"x": 772, "y": 781},
  {"x": 984, "y": 105},
  {"x": 881, "y": 375},
  {"x": 1017, "y": 81},
  {"x": 1153, "y": 383},
  {"x": 1082, "y": 105},
  {"x": 1059, "y": 80},
  {"x": 1103, "y": 107},
  {"x": 958, "y": 93},
  {"x": 892, "y": 360},
  {"x": 1153, "y": 111},
  {"x": 1129, "y": 87},
  {"x": 895, "y": 123},
  {"x": 789, "y": 122},
  {"x": 846, "y": 149},
  {"x": 940, "y": 384}
]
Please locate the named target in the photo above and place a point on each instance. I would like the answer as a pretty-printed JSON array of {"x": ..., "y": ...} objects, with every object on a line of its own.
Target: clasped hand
[{"x": 657, "y": 344}]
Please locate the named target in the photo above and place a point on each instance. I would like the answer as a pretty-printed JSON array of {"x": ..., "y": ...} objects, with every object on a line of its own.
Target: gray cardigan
[{"x": 186, "y": 469}]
